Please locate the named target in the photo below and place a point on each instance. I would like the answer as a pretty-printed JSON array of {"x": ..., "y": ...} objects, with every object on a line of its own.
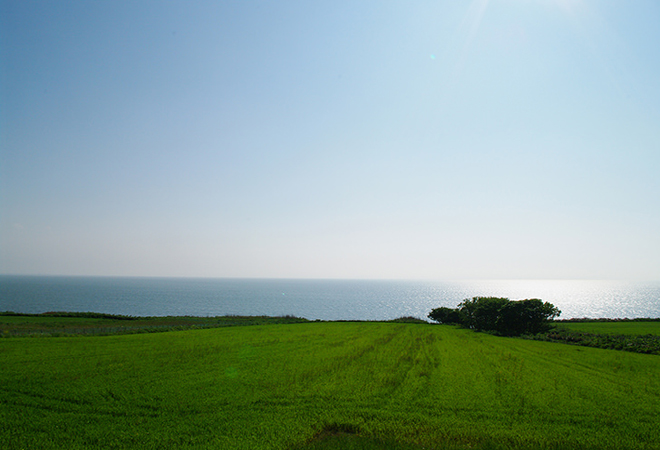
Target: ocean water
[{"x": 314, "y": 299}]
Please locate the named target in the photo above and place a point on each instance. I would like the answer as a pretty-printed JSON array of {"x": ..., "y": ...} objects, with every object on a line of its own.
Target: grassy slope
[{"x": 275, "y": 387}]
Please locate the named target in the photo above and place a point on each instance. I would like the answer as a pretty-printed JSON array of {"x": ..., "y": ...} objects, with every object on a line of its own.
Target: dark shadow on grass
[{"x": 348, "y": 437}]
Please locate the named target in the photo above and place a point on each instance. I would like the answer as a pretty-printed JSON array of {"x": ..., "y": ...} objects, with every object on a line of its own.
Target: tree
[
  {"x": 481, "y": 313},
  {"x": 499, "y": 315},
  {"x": 525, "y": 317}
]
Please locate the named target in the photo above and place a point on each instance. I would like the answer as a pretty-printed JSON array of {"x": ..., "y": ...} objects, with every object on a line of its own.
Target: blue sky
[{"x": 473, "y": 139}]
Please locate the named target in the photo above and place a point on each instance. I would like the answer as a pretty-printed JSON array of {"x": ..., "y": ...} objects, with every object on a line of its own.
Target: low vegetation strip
[
  {"x": 610, "y": 326},
  {"x": 649, "y": 343},
  {"x": 284, "y": 386},
  {"x": 94, "y": 324}
]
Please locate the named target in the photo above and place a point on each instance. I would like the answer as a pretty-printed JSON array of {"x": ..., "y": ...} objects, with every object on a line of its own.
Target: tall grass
[{"x": 283, "y": 386}]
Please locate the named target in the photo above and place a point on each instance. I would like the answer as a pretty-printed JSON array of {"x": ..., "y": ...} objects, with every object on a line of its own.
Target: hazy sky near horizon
[{"x": 435, "y": 139}]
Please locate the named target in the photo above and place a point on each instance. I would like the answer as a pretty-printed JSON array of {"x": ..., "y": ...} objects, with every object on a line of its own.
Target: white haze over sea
[{"x": 314, "y": 299}]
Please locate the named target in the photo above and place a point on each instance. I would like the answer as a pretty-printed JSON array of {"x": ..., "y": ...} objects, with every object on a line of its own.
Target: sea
[{"x": 314, "y": 299}]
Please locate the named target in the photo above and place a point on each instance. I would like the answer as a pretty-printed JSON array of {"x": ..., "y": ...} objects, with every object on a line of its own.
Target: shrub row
[
  {"x": 86, "y": 315},
  {"x": 607, "y": 319},
  {"x": 648, "y": 343}
]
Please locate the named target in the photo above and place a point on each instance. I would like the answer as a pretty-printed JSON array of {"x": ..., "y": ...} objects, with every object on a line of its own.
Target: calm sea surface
[{"x": 313, "y": 299}]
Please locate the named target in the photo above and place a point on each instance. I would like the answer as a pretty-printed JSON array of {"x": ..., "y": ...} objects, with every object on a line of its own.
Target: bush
[
  {"x": 408, "y": 319},
  {"x": 445, "y": 315}
]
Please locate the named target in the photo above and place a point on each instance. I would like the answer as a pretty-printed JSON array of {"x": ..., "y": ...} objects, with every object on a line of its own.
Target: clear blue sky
[{"x": 448, "y": 139}]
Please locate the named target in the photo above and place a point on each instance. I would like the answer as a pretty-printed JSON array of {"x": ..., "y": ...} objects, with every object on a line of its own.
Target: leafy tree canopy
[{"x": 499, "y": 315}]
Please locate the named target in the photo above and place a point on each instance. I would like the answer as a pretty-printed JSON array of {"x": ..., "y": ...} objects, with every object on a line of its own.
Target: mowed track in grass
[{"x": 281, "y": 386}]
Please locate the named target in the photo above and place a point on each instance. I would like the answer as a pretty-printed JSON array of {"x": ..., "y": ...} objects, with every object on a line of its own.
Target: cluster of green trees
[{"x": 499, "y": 315}]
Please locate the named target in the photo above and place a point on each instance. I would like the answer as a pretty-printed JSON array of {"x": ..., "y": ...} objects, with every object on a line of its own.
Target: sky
[{"x": 438, "y": 140}]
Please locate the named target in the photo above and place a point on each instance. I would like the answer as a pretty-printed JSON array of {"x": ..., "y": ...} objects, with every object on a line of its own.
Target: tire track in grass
[
  {"x": 589, "y": 397},
  {"x": 359, "y": 367},
  {"x": 586, "y": 365},
  {"x": 416, "y": 362}
]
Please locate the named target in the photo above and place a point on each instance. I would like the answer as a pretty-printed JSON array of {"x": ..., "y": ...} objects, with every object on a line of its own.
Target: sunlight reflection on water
[{"x": 582, "y": 298}]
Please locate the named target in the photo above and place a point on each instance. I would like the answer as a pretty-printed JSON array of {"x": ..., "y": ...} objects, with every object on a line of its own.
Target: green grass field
[{"x": 324, "y": 385}]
